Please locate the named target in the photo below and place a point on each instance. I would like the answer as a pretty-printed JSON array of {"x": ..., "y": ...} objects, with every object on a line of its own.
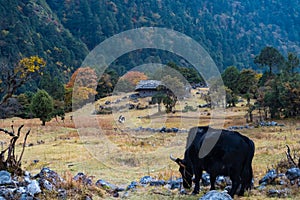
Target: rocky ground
[{"x": 48, "y": 184}]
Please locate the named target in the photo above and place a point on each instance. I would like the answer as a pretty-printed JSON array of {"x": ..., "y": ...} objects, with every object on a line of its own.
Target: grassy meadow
[{"x": 117, "y": 153}]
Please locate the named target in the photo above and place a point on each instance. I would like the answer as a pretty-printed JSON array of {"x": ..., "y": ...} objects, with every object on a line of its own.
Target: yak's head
[{"x": 185, "y": 170}]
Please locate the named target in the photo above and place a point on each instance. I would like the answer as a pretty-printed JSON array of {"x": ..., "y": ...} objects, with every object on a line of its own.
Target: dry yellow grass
[{"x": 120, "y": 155}]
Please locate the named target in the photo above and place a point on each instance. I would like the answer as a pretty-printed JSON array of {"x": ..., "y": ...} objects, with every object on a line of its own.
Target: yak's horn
[{"x": 172, "y": 158}]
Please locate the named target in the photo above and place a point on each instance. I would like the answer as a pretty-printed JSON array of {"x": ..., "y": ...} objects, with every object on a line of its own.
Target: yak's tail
[{"x": 247, "y": 173}]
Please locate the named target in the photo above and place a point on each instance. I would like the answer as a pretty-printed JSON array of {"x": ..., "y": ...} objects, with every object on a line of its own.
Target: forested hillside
[
  {"x": 63, "y": 32},
  {"x": 232, "y": 31},
  {"x": 30, "y": 28}
]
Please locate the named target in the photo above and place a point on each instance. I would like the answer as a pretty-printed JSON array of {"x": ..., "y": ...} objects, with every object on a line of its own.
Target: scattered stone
[
  {"x": 34, "y": 188},
  {"x": 227, "y": 188},
  {"x": 293, "y": 173},
  {"x": 221, "y": 181},
  {"x": 262, "y": 186},
  {"x": 35, "y": 161},
  {"x": 163, "y": 130},
  {"x": 106, "y": 185},
  {"x": 282, "y": 179},
  {"x": 278, "y": 193},
  {"x": 132, "y": 185},
  {"x": 157, "y": 183},
  {"x": 46, "y": 184},
  {"x": 87, "y": 197},
  {"x": 175, "y": 130},
  {"x": 51, "y": 176},
  {"x": 175, "y": 184},
  {"x": 183, "y": 191},
  {"x": 240, "y": 127},
  {"x": 269, "y": 177},
  {"x": 272, "y": 123},
  {"x": 25, "y": 196},
  {"x": 116, "y": 194},
  {"x": 27, "y": 177},
  {"x": 215, "y": 195},
  {"x": 81, "y": 177},
  {"x": 5, "y": 177},
  {"x": 146, "y": 180},
  {"x": 205, "y": 179},
  {"x": 62, "y": 194}
]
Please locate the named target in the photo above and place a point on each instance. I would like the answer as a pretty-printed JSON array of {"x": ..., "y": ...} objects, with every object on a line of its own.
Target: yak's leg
[
  {"x": 242, "y": 190},
  {"x": 235, "y": 184},
  {"x": 198, "y": 176},
  {"x": 212, "y": 182}
]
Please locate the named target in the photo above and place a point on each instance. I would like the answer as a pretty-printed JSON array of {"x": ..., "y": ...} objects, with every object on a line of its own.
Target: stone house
[{"x": 148, "y": 88}]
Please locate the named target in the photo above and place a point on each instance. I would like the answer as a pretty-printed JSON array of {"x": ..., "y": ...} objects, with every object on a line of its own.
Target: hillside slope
[
  {"x": 62, "y": 32},
  {"x": 231, "y": 31},
  {"x": 31, "y": 28}
]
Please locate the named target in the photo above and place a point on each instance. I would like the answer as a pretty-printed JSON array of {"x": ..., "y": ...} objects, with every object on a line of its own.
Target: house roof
[{"x": 148, "y": 85}]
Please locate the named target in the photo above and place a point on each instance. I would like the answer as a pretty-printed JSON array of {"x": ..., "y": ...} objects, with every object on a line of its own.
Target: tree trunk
[
  {"x": 251, "y": 116},
  {"x": 259, "y": 112}
]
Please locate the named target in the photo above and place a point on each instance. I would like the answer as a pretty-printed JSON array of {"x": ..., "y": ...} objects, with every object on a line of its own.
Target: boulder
[
  {"x": 293, "y": 173},
  {"x": 5, "y": 177},
  {"x": 51, "y": 176},
  {"x": 81, "y": 177},
  {"x": 34, "y": 188},
  {"x": 269, "y": 177},
  {"x": 215, "y": 195}
]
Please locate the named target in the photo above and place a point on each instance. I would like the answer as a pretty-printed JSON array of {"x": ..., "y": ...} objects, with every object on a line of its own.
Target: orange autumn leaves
[{"x": 83, "y": 83}]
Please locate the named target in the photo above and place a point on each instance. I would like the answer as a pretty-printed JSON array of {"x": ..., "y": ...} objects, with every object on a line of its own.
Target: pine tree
[{"x": 42, "y": 106}]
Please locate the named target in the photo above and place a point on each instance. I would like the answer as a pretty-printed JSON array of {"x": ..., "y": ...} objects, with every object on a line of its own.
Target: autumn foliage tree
[
  {"x": 107, "y": 83},
  {"x": 83, "y": 85},
  {"x": 134, "y": 77},
  {"x": 13, "y": 77}
]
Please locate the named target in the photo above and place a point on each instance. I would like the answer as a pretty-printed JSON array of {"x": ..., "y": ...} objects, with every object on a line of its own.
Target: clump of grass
[{"x": 74, "y": 189}]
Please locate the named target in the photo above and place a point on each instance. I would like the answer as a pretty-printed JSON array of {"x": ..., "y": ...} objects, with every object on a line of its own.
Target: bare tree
[{"x": 12, "y": 163}]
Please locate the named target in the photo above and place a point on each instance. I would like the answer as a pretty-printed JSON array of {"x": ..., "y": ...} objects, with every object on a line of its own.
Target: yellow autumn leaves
[{"x": 29, "y": 65}]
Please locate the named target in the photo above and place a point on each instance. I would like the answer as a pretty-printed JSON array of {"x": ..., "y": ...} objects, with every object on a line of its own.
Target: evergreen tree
[
  {"x": 52, "y": 86},
  {"x": 42, "y": 106},
  {"x": 230, "y": 78},
  {"x": 271, "y": 57}
]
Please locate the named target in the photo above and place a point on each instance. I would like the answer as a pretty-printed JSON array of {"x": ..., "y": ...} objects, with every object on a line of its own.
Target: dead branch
[
  {"x": 7, "y": 132},
  {"x": 23, "y": 148},
  {"x": 12, "y": 163},
  {"x": 289, "y": 157}
]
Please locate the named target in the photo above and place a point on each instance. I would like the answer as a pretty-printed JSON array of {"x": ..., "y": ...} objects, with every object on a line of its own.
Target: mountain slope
[
  {"x": 231, "y": 31},
  {"x": 62, "y": 32},
  {"x": 31, "y": 28}
]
